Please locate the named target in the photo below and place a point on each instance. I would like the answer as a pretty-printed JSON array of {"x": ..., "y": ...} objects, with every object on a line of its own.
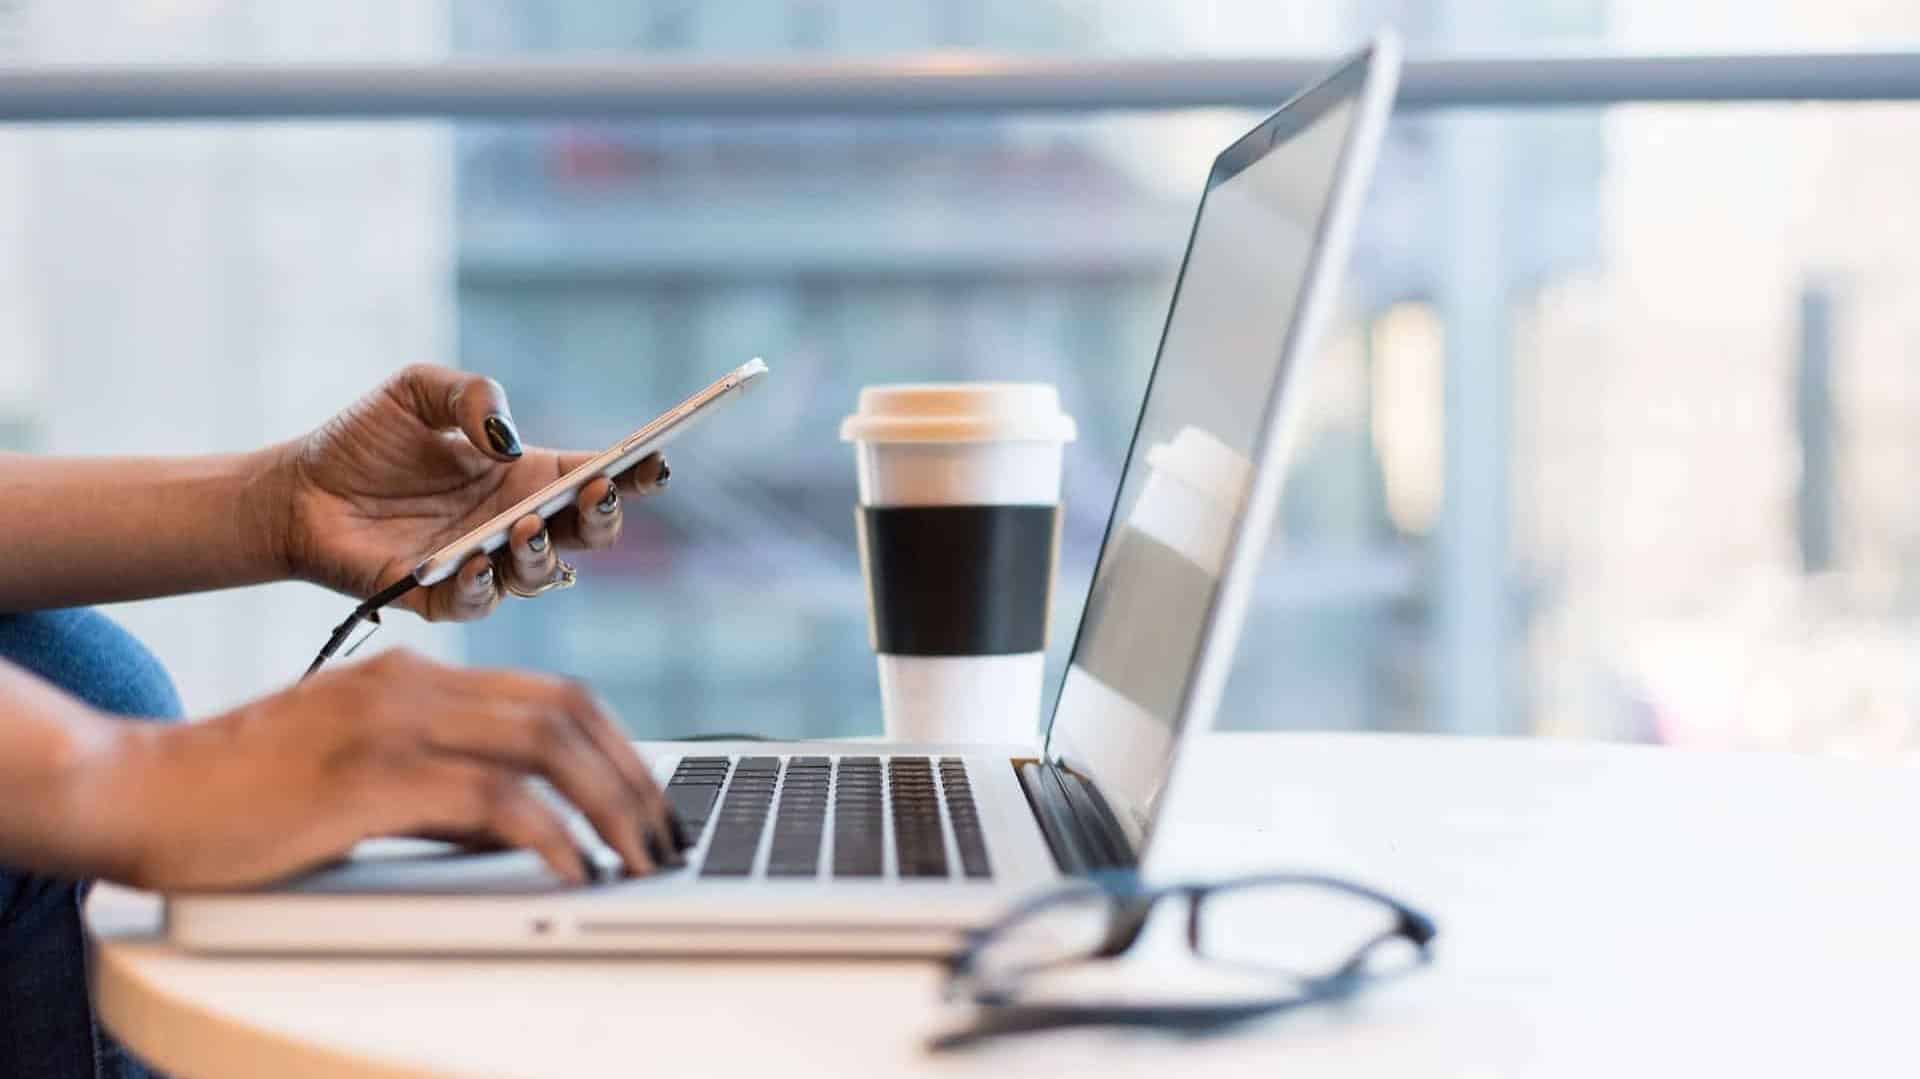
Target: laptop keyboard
[{"x": 903, "y": 806}]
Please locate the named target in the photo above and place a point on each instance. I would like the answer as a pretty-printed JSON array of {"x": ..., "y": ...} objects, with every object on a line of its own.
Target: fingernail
[
  {"x": 501, "y": 434},
  {"x": 484, "y": 579},
  {"x": 679, "y": 830},
  {"x": 607, "y": 504},
  {"x": 665, "y": 475},
  {"x": 656, "y": 849},
  {"x": 539, "y": 542}
]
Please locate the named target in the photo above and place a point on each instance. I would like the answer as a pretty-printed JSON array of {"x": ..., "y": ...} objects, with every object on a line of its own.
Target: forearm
[
  {"x": 79, "y": 531},
  {"x": 53, "y": 749}
]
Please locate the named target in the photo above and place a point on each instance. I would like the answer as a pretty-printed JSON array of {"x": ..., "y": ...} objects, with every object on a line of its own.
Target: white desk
[{"x": 1603, "y": 911}]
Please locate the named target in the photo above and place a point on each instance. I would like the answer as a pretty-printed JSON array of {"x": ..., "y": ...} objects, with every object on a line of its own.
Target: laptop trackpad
[{"x": 424, "y": 867}]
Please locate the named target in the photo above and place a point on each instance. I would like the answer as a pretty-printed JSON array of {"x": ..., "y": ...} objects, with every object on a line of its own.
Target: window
[{"x": 1612, "y": 440}]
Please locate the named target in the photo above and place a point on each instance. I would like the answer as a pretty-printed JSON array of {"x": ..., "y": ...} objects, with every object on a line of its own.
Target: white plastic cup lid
[
  {"x": 959, "y": 412},
  {"x": 1204, "y": 463}
]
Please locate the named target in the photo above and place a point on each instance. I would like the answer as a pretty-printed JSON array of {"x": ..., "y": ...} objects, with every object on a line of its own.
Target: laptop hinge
[{"x": 1075, "y": 820}]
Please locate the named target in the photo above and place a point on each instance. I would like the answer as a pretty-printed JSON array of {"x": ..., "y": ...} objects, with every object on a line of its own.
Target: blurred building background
[{"x": 1612, "y": 440}]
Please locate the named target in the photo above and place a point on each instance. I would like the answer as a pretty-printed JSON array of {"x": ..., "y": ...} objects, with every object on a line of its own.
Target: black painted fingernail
[
  {"x": 665, "y": 475},
  {"x": 484, "y": 579},
  {"x": 539, "y": 542},
  {"x": 599, "y": 871},
  {"x": 501, "y": 434},
  {"x": 656, "y": 849},
  {"x": 679, "y": 832},
  {"x": 607, "y": 504}
]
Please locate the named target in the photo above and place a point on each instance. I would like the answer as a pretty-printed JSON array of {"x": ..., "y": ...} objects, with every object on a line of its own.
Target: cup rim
[{"x": 961, "y": 412}]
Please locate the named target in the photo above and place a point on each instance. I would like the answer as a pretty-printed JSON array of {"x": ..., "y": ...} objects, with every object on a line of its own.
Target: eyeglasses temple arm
[{"x": 1192, "y": 1019}]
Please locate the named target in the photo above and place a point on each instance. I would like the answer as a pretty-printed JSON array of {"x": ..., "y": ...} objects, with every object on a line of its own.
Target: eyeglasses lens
[
  {"x": 1069, "y": 929},
  {"x": 1297, "y": 930}
]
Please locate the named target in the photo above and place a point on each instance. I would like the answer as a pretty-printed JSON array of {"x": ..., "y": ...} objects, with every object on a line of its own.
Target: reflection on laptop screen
[{"x": 1188, "y": 472}]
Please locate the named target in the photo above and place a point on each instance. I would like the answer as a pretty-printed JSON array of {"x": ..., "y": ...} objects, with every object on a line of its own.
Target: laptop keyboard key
[
  {"x": 692, "y": 804},
  {"x": 692, "y": 790}
]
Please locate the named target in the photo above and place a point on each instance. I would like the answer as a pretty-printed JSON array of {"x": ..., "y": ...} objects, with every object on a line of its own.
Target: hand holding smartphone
[
  {"x": 552, "y": 498},
  {"x": 616, "y": 459}
]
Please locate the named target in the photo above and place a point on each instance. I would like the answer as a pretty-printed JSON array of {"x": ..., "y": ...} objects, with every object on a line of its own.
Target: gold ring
[{"x": 565, "y": 578}]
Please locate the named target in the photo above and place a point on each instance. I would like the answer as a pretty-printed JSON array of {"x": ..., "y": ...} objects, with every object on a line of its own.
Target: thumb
[{"x": 443, "y": 398}]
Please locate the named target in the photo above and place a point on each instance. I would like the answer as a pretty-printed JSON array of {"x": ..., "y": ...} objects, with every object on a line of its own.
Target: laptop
[{"x": 890, "y": 848}]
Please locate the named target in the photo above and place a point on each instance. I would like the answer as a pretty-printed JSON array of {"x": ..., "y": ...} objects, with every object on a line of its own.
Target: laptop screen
[{"x": 1186, "y": 477}]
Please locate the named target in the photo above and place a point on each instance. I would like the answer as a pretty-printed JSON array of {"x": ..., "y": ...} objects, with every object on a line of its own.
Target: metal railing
[{"x": 926, "y": 83}]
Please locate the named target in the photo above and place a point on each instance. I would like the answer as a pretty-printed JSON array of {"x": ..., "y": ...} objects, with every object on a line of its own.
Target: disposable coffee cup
[{"x": 959, "y": 525}]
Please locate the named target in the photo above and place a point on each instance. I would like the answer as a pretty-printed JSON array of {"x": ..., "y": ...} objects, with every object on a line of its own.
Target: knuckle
[
  {"x": 377, "y": 671},
  {"x": 499, "y": 798},
  {"x": 415, "y": 373},
  {"x": 579, "y": 701},
  {"x": 551, "y": 734},
  {"x": 402, "y": 659}
]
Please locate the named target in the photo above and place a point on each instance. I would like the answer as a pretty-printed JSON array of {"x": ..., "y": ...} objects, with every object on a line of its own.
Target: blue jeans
[{"x": 47, "y": 1025}]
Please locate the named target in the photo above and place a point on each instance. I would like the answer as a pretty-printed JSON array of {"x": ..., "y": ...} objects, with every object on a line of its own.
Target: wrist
[
  {"x": 268, "y": 512},
  {"x": 106, "y": 786}
]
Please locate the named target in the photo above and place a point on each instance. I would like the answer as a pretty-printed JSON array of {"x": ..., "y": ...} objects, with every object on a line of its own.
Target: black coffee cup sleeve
[{"x": 958, "y": 580}]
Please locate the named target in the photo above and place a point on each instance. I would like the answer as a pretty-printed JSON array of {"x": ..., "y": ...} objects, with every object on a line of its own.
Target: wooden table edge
[{"x": 183, "y": 1038}]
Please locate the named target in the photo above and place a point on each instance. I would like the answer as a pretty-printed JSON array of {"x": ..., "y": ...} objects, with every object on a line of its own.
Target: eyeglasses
[{"x": 1285, "y": 940}]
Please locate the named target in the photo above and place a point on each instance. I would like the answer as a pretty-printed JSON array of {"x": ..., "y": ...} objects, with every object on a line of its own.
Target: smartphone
[{"x": 561, "y": 493}]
